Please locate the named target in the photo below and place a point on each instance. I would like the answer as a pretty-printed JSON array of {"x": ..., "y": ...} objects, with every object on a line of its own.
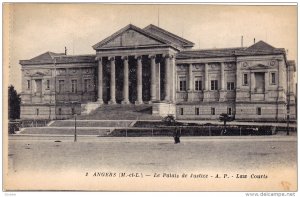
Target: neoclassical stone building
[{"x": 156, "y": 67}]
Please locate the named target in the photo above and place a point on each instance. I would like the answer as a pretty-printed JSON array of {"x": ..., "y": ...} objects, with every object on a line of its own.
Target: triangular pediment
[
  {"x": 176, "y": 40},
  {"x": 130, "y": 36}
]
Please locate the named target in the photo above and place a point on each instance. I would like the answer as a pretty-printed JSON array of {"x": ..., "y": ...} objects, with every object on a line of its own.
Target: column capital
[
  {"x": 111, "y": 58},
  {"x": 170, "y": 56},
  {"x": 125, "y": 57},
  {"x": 98, "y": 58},
  {"x": 152, "y": 56},
  {"x": 138, "y": 57}
]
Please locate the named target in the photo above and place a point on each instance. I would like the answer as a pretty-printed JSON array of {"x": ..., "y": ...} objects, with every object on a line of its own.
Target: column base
[
  {"x": 125, "y": 102},
  {"x": 100, "y": 101},
  {"x": 153, "y": 101},
  {"x": 168, "y": 101},
  {"x": 138, "y": 102},
  {"x": 111, "y": 102}
]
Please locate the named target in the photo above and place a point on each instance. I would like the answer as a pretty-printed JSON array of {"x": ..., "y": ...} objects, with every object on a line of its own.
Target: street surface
[{"x": 238, "y": 154}]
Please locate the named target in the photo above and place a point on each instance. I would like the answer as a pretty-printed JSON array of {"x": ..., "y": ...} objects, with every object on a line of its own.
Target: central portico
[{"x": 141, "y": 66}]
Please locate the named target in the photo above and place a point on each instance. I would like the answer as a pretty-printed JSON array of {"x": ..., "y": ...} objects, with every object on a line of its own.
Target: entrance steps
[{"x": 121, "y": 112}]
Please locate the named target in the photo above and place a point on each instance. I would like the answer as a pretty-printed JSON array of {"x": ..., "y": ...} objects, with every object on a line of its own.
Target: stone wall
[
  {"x": 46, "y": 111},
  {"x": 205, "y": 110},
  {"x": 269, "y": 111}
]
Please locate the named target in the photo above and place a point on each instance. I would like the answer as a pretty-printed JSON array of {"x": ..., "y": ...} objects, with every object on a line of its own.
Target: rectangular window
[
  {"x": 61, "y": 85},
  {"x": 214, "y": 84},
  {"x": 197, "y": 111},
  {"x": 213, "y": 111},
  {"x": 28, "y": 84},
  {"x": 230, "y": 85},
  {"x": 37, "y": 111},
  {"x": 74, "y": 86},
  {"x": 258, "y": 111},
  {"x": 273, "y": 78},
  {"x": 87, "y": 83},
  {"x": 229, "y": 111},
  {"x": 73, "y": 111},
  {"x": 181, "y": 111},
  {"x": 198, "y": 83},
  {"x": 48, "y": 84},
  {"x": 59, "y": 111},
  {"x": 245, "y": 79},
  {"x": 182, "y": 84}
]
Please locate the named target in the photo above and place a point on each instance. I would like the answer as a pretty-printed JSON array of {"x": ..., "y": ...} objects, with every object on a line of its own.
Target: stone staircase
[{"x": 121, "y": 112}]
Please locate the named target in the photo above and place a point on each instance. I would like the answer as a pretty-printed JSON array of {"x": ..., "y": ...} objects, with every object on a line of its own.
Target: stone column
[
  {"x": 267, "y": 81},
  {"x": 100, "y": 80},
  {"x": 190, "y": 85},
  {"x": 238, "y": 77},
  {"x": 282, "y": 81},
  {"x": 190, "y": 77},
  {"x": 153, "y": 78},
  {"x": 167, "y": 78},
  {"x": 112, "y": 81},
  {"x": 206, "y": 96},
  {"x": 172, "y": 78},
  {"x": 222, "y": 76},
  {"x": 158, "y": 82},
  {"x": 139, "y": 81},
  {"x": 252, "y": 82},
  {"x": 126, "y": 81},
  {"x": 222, "y": 92},
  {"x": 280, "y": 75},
  {"x": 266, "y": 84},
  {"x": 292, "y": 84},
  {"x": 206, "y": 87}
]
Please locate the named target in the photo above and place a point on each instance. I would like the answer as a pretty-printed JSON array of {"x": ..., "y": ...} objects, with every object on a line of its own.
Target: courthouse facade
[{"x": 155, "y": 67}]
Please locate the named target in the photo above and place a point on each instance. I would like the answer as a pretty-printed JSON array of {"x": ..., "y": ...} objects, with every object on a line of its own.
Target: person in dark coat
[{"x": 176, "y": 136}]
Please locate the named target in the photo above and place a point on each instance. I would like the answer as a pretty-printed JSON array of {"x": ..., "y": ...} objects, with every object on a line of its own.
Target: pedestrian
[{"x": 176, "y": 136}]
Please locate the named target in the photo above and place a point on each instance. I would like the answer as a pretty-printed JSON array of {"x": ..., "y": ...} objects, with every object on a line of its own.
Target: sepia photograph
[{"x": 150, "y": 97}]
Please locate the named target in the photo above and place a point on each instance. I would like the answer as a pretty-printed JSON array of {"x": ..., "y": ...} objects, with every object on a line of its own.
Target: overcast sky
[{"x": 38, "y": 28}]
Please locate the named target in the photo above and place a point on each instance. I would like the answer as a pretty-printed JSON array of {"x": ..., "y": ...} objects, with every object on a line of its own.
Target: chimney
[
  {"x": 254, "y": 40},
  {"x": 65, "y": 50},
  {"x": 242, "y": 40}
]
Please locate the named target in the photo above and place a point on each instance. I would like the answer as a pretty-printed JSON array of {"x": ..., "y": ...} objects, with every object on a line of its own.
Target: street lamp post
[{"x": 75, "y": 133}]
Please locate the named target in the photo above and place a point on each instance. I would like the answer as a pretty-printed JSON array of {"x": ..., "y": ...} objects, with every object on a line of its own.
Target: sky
[{"x": 37, "y": 28}]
